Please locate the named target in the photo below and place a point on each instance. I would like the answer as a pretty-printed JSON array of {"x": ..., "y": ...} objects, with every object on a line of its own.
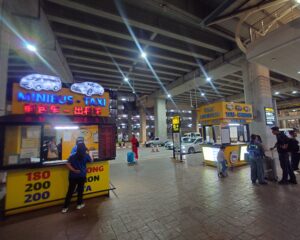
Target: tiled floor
[{"x": 164, "y": 199}]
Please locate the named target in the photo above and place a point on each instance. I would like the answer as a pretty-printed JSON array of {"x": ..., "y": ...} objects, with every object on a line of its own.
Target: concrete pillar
[
  {"x": 4, "y": 52},
  {"x": 160, "y": 118},
  {"x": 257, "y": 88},
  {"x": 283, "y": 123},
  {"x": 195, "y": 127},
  {"x": 143, "y": 124}
]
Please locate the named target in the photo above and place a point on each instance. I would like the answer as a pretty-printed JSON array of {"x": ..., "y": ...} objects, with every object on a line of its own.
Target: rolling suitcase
[
  {"x": 130, "y": 157},
  {"x": 270, "y": 170}
]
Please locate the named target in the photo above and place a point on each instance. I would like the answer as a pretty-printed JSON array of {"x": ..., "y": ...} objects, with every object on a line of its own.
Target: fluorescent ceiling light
[
  {"x": 66, "y": 127},
  {"x": 294, "y": 92},
  {"x": 208, "y": 79},
  {"x": 234, "y": 124},
  {"x": 143, "y": 55},
  {"x": 277, "y": 93},
  {"x": 169, "y": 95},
  {"x": 202, "y": 94},
  {"x": 31, "y": 47},
  {"x": 126, "y": 79}
]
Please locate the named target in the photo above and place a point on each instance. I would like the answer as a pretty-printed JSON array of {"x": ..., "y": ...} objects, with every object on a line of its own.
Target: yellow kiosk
[
  {"x": 40, "y": 134},
  {"x": 225, "y": 123}
]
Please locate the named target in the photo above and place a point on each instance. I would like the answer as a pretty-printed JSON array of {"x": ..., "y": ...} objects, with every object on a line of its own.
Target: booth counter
[
  {"x": 227, "y": 124},
  {"x": 41, "y": 134}
]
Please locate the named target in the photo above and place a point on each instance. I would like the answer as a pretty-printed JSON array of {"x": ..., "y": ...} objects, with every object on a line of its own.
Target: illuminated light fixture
[
  {"x": 294, "y": 92},
  {"x": 277, "y": 93},
  {"x": 208, "y": 79},
  {"x": 66, "y": 127},
  {"x": 123, "y": 99},
  {"x": 143, "y": 55},
  {"x": 126, "y": 79},
  {"x": 202, "y": 94},
  {"x": 234, "y": 124},
  {"x": 294, "y": 110},
  {"x": 297, "y": 1},
  {"x": 169, "y": 95},
  {"x": 31, "y": 47},
  {"x": 298, "y": 72}
]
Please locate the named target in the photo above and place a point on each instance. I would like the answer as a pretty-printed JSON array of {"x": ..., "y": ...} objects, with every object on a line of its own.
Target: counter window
[
  {"x": 59, "y": 142},
  {"x": 21, "y": 145}
]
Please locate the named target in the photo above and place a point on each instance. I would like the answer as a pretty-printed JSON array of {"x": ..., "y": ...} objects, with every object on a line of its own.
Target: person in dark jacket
[
  {"x": 256, "y": 154},
  {"x": 294, "y": 150},
  {"x": 283, "y": 153},
  {"x": 77, "y": 175}
]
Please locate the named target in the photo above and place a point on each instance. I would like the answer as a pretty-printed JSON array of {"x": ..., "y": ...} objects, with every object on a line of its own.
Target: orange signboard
[{"x": 62, "y": 102}]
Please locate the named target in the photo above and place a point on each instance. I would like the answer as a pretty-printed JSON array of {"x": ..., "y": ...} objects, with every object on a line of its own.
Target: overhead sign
[
  {"x": 270, "y": 116},
  {"x": 225, "y": 112},
  {"x": 37, "y": 100},
  {"x": 176, "y": 124}
]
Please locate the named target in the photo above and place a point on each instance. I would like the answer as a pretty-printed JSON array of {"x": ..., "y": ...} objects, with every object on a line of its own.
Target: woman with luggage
[
  {"x": 135, "y": 146},
  {"x": 256, "y": 154}
]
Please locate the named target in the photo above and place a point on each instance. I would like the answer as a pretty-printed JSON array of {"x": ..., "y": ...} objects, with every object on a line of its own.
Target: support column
[
  {"x": 195, "y": 127},
  {"x": 143, "y": 124},
  {"x": 160, "y": 118},
  {"x": 257, "y": 88},
  {"x": 4, "y": 51}
]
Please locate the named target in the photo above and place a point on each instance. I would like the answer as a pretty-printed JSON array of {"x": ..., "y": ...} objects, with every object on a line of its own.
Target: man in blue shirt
[{"x": 77, "y": 175}]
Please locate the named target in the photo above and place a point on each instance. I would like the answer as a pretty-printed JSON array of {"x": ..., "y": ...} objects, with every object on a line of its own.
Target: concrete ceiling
[{"x": 102, "y": 41}]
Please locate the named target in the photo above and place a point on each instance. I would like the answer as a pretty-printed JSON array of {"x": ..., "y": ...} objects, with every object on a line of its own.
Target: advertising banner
[{"x": 37, "y": 188}]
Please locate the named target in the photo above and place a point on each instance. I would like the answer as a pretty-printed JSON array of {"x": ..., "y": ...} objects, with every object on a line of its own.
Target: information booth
[
  {"x": 225, "y": 123},
  {"x": 41, "y": 133}
]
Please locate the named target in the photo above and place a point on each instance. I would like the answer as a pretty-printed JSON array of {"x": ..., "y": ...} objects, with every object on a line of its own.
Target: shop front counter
[
  {"x": 234, "y": 154},
  {"x": 35, "y": 188}
]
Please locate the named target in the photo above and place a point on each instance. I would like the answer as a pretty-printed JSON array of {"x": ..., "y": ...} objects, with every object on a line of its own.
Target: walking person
[
  {"x": 294, "y": 150},
  {"x": 221, "y": 162},
  {"x": 256, "y": 154},
  {"x": 135, "y": 145},
  {"x": 77, "y": 175},
  {"x": 283, "y": 153}
]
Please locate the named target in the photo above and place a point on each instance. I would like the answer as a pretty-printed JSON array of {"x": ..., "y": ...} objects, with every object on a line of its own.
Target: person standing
[
  {"x": 294, "y": 150},
  {"x": 77, "y": 175},
  {"x": 134, "y": 146},
  {"x": 221, "y": 162},
  {"x": 282, "y": 149},
  {"x": 256, "y": 154}
]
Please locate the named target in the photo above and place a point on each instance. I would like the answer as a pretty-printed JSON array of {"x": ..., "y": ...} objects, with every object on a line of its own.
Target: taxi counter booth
[
  {"x": 35, "y": 146},
  {"x": 225, "y": 123}
]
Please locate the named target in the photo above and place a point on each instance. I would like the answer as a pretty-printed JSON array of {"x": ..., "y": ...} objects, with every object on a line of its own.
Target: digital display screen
[
  {"x": 270, "y": 116},
  {"x": 210, "y": 153}
]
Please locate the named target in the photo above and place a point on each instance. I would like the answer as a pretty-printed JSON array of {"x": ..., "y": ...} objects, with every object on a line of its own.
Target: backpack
[
  {"x": 254, "y": 151},
  {"x": 293, "y": 146}
]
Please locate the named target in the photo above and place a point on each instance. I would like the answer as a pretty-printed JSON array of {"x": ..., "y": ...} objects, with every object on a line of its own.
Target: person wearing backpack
[
  {"x": 294, "y": 150},
  {"x": 256, "y": 153},
  {"x": 282, "y": 146},
  {"x": 135, "y": 145}
]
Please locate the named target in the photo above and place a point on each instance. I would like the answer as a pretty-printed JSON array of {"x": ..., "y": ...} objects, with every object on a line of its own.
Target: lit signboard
[
  {"x": 87, "y": 88},
  {"x": 270, "y": 116},
  {"x": 38, "y": 82},
  {"x": 62, "y": 102},
  {"x": 176, "y": 124}
]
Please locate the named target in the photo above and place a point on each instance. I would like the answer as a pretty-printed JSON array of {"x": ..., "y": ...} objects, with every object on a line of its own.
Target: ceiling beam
[
  {"x": 163, "y": 26},
  {"x": 112, "y": 55},
  {"x": 203, "y": 55},
  {"x": 128, "y": 49}
]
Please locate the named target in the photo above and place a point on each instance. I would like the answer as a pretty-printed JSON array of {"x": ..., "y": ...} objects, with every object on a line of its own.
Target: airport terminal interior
[{"x": 149, "y": 119}]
